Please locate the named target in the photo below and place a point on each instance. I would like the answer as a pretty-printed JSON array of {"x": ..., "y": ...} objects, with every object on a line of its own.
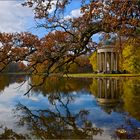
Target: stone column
[
  {"x": 101, "y": 61},
  {"x": 98, "y": 61},
  {"x": 105, "y": 61},
  {"x": 112, "y": 61},
  {"x": 114, "y": 67},
  {"x": 109, "y": 62},
  {"x": 116, "y": 61}
]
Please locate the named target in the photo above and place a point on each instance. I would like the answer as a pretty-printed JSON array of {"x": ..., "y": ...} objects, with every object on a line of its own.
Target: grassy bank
[
  {"x": 80, "y": 75},
  {"x": 90, "y": 75}
]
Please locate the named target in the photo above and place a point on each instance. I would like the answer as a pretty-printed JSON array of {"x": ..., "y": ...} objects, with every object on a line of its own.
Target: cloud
[
  {"x": 13, "y": 16},
  {"x": 74, "y": 14}
]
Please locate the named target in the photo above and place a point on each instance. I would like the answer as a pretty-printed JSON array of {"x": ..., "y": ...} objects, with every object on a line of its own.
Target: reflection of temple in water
[{"x": 109, "y": 91}]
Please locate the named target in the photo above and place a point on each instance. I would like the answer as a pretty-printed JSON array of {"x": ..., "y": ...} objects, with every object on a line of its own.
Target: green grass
[
  {"x": 90, "y": 75},
  {"x": 81, "y": 75}
]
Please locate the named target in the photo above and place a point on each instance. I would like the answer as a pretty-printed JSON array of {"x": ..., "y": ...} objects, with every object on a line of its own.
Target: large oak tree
[{"x": 68, "y": 38}]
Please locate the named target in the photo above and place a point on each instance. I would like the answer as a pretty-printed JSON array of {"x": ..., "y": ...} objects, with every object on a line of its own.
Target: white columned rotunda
[{"x": 107, "y": 59}]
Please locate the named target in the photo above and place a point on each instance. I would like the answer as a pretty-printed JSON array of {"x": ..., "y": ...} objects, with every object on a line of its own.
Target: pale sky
[
  {"x": 16, "y": 18},
  {"x": 13, "y": 16}
]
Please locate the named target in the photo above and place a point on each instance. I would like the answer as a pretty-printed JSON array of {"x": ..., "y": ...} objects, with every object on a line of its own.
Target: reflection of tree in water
[
  {"x": 127, "y": 91},
  {"x": 17, "y": 78},
  {"x": 58, "y": 122},
  {"x": 131, "y": 97},
  {"x": 6, "y": 80},
  {"x": 58, "y": 84},
  {"x": 108, "y": 93},
  {"x": 120, "y": 95}
]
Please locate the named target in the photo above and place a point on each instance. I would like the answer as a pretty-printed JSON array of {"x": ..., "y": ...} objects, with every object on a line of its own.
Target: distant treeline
[{"x": 80, "y": 65}]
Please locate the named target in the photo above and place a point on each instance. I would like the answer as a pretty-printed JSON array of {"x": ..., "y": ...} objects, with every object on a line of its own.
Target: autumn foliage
[{"x": 67, "y": 38}]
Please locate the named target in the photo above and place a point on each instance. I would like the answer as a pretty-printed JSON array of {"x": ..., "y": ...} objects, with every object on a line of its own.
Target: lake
[{"x": 69, "y": 108}]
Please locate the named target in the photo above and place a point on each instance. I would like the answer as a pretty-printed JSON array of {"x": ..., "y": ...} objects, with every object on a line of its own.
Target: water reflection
[
  {"x": 131, "y": 97},
  {"x": 108, "y": 90},
  {"x": 129, "y": 130},
  {"x": 108, "y": 93},
  {"x": 120, "y": 95},
  {"x": 59, "y": 121},
  {"x": 6, "y": 80},
  {"x": 99, "y": 108},
  {"x": 58, "y": 84}
]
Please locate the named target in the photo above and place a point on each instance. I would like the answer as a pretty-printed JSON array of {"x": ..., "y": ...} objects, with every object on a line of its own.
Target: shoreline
[
  {"x": 78, "y": 75},
  {"x": 90, "y": 75}
]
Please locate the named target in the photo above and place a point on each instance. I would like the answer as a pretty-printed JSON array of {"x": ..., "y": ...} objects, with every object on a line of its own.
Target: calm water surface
[{"x": 102, "y": 108}]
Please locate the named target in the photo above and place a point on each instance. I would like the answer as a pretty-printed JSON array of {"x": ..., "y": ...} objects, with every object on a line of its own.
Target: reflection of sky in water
[{"x": 82, "y": 100}]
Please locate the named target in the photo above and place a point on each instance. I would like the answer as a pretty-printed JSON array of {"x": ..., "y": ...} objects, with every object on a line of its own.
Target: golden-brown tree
[{"x": 71, "y": 37}]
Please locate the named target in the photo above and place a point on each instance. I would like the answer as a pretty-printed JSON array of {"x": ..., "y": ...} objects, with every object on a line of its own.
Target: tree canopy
[{"x": 67, "y": 38}]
